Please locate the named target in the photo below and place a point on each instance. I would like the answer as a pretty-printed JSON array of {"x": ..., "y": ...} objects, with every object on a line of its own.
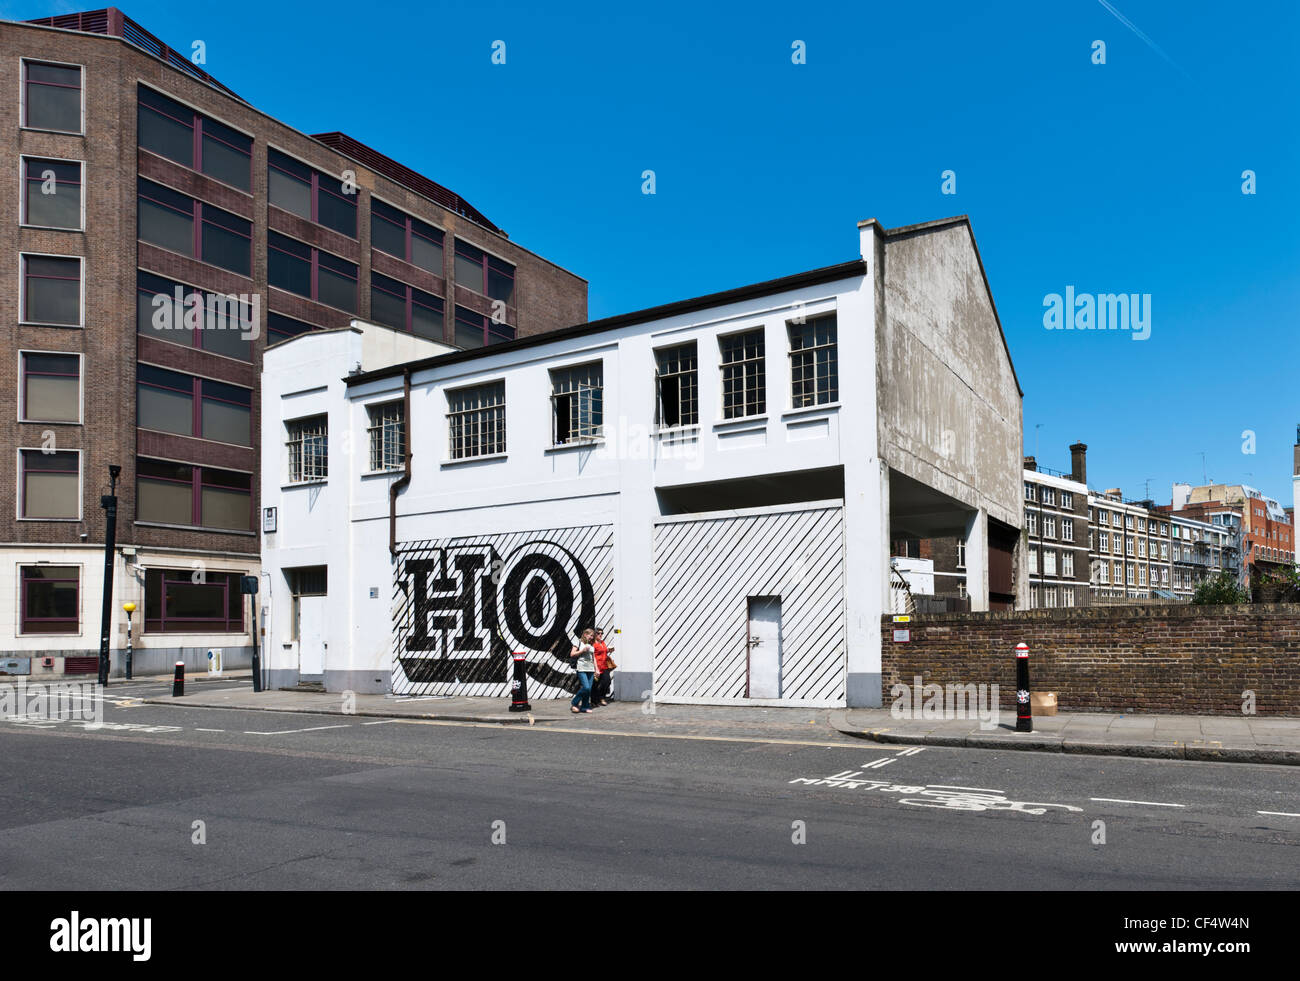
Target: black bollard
[
  {"x": 1024, "y": 711},
  {"x": 519, "y": 685},
  {"x": 178, "y": 680}
]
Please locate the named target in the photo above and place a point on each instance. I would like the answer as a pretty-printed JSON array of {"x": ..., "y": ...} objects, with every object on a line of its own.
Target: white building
[{"x": 714, "y": 481}]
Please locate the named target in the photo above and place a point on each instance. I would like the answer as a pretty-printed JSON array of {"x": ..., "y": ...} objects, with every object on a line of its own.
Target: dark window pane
[
  {"x": 286, "y": 266},
  {"x": 335, "y": 209},
  {"x": 165, "y": 127},
  {"x": 227, "y": 240},
  {"x": 279, "y": 327},
  {"x": 469, "y": 270},
  {"x": 387, "y": 309},
  {"x": 50, "y": 484},
  {"x": 52, "y": 190},
  {"x": 52, "y": 291},
  {"x": 289, "y": 184},
  {"x": 386, "y": 234},
  {"x": 501, "y": 285},
  {"x": 426, "y": 315},
  {"x": 336, "y": 290},
  {"x": 226, "y": 164},
  {"x": 51, "y": 387},
  {"x": 226, "y": 422},
  {"x": 53, "y": 97},
  {"x": 426, "y": 255}
]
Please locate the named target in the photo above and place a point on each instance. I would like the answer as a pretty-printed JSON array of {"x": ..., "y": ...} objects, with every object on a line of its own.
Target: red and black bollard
[
  {"x": 178, "y": 680},
  {"x": 1024, "y": 711},
  {"x": 519, "y": 685}
]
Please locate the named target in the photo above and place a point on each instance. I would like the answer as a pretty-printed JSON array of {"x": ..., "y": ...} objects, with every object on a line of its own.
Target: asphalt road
[{"x": 292, "y": 801}]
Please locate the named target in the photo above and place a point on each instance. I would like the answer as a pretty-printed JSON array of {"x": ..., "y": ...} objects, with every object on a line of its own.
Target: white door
[
  {"x": 311, "y": 635},
  {"x": 764, "y": 647}
]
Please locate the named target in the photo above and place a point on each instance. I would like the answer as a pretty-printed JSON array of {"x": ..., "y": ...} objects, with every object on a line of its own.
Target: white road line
[
  {"x": 381, "y": 722},
  {"x": 910, "y": 752},
  {"x": 283, "y": 732},
  {"x": 1149, "y": 803},
  {"x": 877, "y": 764},
  {"x": 209, "y": 730},
  {"x": 1281, "y": 814}
]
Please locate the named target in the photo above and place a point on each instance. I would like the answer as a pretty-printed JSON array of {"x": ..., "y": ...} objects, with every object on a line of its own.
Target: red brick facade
[{"x": 1158, "y": 659}]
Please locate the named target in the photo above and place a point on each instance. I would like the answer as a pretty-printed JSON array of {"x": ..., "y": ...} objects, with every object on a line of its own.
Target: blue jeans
[{"x": 582, "y": 700}]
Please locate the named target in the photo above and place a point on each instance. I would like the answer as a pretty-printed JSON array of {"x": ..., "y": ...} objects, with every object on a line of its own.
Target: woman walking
[
  {"x": 604, "y": 665},
  {"x": 585, "y": 652}
]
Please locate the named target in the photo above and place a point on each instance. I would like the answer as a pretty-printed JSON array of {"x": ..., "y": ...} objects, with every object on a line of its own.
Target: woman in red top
[{"x": 600, "y": 690}]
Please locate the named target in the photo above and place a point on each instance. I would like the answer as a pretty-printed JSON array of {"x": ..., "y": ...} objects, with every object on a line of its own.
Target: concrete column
[{"x": 977, "y": 560}]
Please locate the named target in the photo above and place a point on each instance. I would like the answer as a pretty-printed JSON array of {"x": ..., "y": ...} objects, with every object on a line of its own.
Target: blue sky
[{"x": 1122, "y": 177}]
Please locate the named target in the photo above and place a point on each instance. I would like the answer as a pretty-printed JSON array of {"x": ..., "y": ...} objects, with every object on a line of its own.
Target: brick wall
[{"x": 1170, "y": 659}]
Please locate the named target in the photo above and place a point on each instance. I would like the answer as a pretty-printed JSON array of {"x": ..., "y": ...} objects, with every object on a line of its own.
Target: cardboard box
[{"x": 1042, "y": 702}]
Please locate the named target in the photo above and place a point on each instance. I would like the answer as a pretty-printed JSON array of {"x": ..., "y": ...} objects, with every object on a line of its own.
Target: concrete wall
[{"x": 1158, "y": 659}]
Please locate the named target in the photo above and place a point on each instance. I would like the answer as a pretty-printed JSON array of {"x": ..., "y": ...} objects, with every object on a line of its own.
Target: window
[
  {"x": 1104, "y": 569},
  {"x": 1067, "y": 596},
  {"x": 1142, "y": 548},
  {"x": 309, "y": 194},
  {"x": 1029, "y": 491},
  {"x": 279, "y": 327},
  {"x": 1067, "y": 564},
  {"x": 961, "y": 554},
  {"x": 407, "y": 238},
  {"x": 387, "y": 437},
  {"x": 1128, "y": 521},
  {"x": 1049, "y": 562},
  {"x": 1142, "y": 575},
  {"x": 475, "y": 330},
  {"x": 1049, "y": 495},
  {"x": 181, "y": 224},
  {"x": 1128, "y": 546},
  {"x": 405, "y": 308},
  {"x": 51, "y": 193},
  {"x": 50, "y": 485},
  {"x": 744, "y": 376},
  {"x": 1104, "y": 539},
  {"x": 1031, "y": 522},
  {"x": 51, "y": 290},
  {"x": 52, "y": 96},
  {"x": 215, "y": 322},
  {"x": 1067, "y": 500},
  {"x": 1049, "y": 597},
  {"x": 1103, "y": 517},
  {"x": 476, "y": 420},
  {"x": 184, "y": 601},
  {"x": 51, "y": 387},
  {"x": 1049, "y": 526},
  {"x": 1033, "y": 560},
  {"x": 1067, "y": 529},
  {"x": 50, "y": 599},
  {"x": 200, "y": 497},
  {"x": 308, "y": 449},
  {"x": 577, "y": 395},
  {"x": 677, "y": 386},
  {"x": 298, "y": 268},
  {"x": 175, "y": 131},
  {"x": 484, "y": 273},
  {"x": 814, "y": 366},
  {"x": 171, "y": 402}
]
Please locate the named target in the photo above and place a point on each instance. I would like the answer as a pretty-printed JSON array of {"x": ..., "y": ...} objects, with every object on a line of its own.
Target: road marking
[
  {"x": 1281, "y": 814},
  {"x": 381, "y": 722},
  {"x": 209, "y": 730},
  {"x": 1149, "y": 803},
  {"x": 632, "y": 735},
  {"x": 910, "y": 752},
  {"x": 877, "y": 764},
  {"x": 283, "y": 732}
]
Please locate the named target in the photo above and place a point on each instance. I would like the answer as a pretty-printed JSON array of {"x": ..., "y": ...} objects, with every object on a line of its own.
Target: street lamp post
[
  {"x": 129, "y": 608},
  {"x": 109, "y": 503}
]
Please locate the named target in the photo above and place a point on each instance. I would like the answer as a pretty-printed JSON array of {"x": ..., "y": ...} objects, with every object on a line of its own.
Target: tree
[{"x": 1220, "y": 588}]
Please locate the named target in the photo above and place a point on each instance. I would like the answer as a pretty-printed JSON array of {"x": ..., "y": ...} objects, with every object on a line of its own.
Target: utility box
[{"x": 1043, "y": 702}]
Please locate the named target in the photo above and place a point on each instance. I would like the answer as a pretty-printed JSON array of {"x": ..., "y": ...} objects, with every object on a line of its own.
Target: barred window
[
  {"x": 387, "y": 436},
  {"x": 814, "y": 365},
  {"x": 744, "y": 375},
  {"x": 476, "y": 420},
  {"x": 578, "y": 399},
  {"x": 677, "y": 383},
  {"x": 308, "y": 457}
]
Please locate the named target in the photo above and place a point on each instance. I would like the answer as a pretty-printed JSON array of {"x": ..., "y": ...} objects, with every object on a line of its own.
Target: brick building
[
  {"x": 1056, "y": 523},
  {"x": 161, "y": 232}
]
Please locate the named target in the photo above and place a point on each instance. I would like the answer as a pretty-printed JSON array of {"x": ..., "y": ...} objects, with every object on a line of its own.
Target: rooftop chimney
[
  {"x": 1032, "y": 464},
  {"x": 1079, "y": 463}
]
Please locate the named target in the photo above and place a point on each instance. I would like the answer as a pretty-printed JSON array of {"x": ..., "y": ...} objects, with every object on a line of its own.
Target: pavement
[{"x": 1246, "y": 739}]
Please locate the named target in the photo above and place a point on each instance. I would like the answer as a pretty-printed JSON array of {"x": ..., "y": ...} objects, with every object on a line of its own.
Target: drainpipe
[{"x": 400, "y": 483}]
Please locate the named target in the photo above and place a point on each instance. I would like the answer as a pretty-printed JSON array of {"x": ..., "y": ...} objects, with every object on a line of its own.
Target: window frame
[
  {"x": 293, "y": 437},
  {"x": 199, "y": 133},
  {"x": 687, "y": 385},
  {"x": 196, "y": 625},
  {"x": 23, "y": 619},
  {"x": 196, "y": 485},
  {"x": 461, "y": 315},
  {"x": 20, "y": 501},
  {"x": 409, "y": 235},
  {"x": 314, "y": 271},
  {"x": 408, "y": 303},
  {"x": 486, "y": 264},
  {"x": 194, "y": 341},
  {"x": 597, "y": 430},
  {"x": 315, "y": 191},
  {"x": 759, "y": 385},
  {"x": 376, "y": 433},
  {"x": 199, "y": 223},
  {"x": 22, "y": 388},
  {"x": 820, "y": 398},
  {"x": 197, "y": 397},
  {"x": 23, "y": 318},
  {"x": 23, "y": 187},
  {"x": 23, "y": 101},
  {"x": 476, "y": 422}
]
